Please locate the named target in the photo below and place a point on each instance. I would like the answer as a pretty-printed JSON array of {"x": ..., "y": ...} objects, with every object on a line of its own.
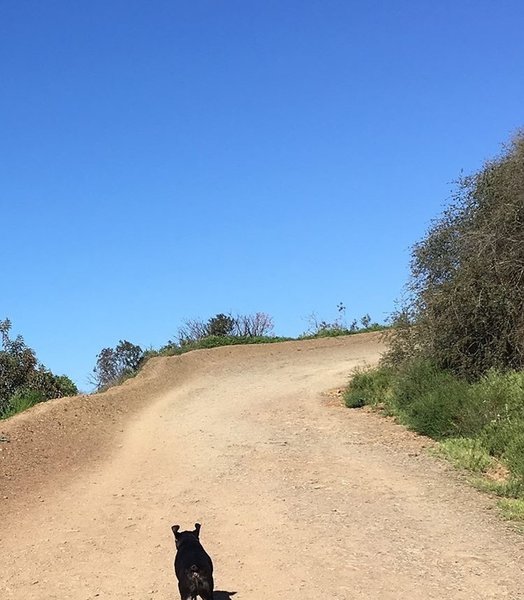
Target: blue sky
[{"x": 164, "y": 160}]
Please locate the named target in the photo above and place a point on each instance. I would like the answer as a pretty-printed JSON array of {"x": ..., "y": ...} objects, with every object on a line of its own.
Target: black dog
[{"x": 193, "y": 566}]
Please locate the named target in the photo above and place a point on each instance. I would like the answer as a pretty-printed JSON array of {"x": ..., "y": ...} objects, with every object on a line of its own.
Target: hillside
[{"x": 298, "y": 497}]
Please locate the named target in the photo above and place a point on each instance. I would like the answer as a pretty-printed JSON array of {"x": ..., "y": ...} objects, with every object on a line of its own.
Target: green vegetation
[
  {"x": 115, "y": 365},
  {"x": 23, "y": 380},
  {"x": 455, "y": 366},
  {"x": 213, "y": 341},
  {"x": 480, "y": 425},
  {"x": 464, "y": 310},
  {"x": 369, "y": 387},
  {"x": 512, "y": 509},
  {"x": 257, "y": 325},
  {"x": 330, "y": 331},
  {"x": 20, "y": 401},
  {"x": 467, "y": 453},
  {"x": 339, "y": 326}
]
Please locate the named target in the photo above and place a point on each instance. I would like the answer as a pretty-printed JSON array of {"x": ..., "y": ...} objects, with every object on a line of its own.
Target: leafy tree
[
  {"x": 113, "y": 365},
  {"x": 22, "y": 375},
  {"x": 465, "y": 304},
  {"x": 49, "y": 385},
  {"x": 17, "y": 363},
  {"x": 220, "y": 325}
]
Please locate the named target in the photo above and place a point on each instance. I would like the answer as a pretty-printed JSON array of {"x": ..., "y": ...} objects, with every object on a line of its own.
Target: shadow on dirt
[{"x": 220, "y": 595}]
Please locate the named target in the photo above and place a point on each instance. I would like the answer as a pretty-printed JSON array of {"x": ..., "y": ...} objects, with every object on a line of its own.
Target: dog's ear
[
  {"x": 197, "y": 529},
  {"x": 175, "y": 529}
]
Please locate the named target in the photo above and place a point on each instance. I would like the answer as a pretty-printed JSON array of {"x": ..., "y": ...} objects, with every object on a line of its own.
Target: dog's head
[{"x": 181, "y": 536}]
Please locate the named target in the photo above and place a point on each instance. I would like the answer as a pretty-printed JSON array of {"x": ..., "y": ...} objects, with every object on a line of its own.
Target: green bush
[
  {"x": 465, "y": 303},
  {"x": 500, "y": 411},
  {"x": 436, "y": 413},
  {"x": 49, "y": 385},
  {"x": 456, "y": 348},
  {"x": 438, "y": 404},
  {"x": 500, "y": 396},
  {"x": 221, "y": 325},
  {"x": 368, "y": 387},
  {"x": 466, "y": 453},
  {"x": 20, "y": 401},
  {"x": 514, "y": 452},
  {"x": 476, "y": 422},
  {"x": 17, "y": 363},
  {"x": 115, "y": 365},
  {"x": 65, "y": 386},
  {"x": 414, "y": 380},
  {"x": 512, "y": 509},
  {"x": 256, "y": 325},
  {"x": 23, "y": 380},
  {"x": 495, "y": 437}
]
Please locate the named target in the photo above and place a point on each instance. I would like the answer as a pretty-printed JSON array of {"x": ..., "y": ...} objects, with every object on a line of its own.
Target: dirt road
[{"x": 298, "y": 497}]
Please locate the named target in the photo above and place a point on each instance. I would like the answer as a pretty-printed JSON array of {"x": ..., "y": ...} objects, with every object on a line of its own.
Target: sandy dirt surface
[{"x": 298, "y": 497}]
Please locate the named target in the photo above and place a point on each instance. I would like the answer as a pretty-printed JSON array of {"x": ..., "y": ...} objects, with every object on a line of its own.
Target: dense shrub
[
  {"x": 369, "y": 387},
  {"x": 486, "y": 417},
  {"x": 114, "y": 365},
  {"x": 220, "y": 325},
  {"x": 23, "y": 380},
  {"x": 256, "y": 325},
  {"x": 456, "y": 350},
  {"x": 514, "y": 452},
  {"x": 467, "y": 453},
  {"x": 49, "y": 385},
  {"x": 20, "y": 401},
  {"x": 437, "y": 412},
  {"x": 17, "y": 363},
  {"x": 465, "y": 305},
  {"x": 415, "y": 380}
]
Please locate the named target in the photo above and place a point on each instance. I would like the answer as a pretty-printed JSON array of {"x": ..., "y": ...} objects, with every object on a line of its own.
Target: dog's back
[{"x": 193, "y": 566}]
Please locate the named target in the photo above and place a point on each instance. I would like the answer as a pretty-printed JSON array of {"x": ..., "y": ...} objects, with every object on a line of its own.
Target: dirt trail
[{"x": 297, "y": 496}]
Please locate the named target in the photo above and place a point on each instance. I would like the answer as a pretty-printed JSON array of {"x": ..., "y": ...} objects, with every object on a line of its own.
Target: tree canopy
[{"x": 465, "y": 304}]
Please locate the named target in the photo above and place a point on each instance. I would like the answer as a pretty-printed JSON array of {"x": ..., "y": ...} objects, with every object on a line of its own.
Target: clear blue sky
[{"x": 161, "y": 160}]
